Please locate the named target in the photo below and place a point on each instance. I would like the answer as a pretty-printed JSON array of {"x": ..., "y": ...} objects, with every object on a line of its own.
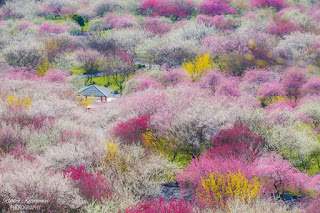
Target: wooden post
[
  {"x": 86, "y": 98},
  {"x": 101, "y": 99},
  {"x": 106, "y": 99}
]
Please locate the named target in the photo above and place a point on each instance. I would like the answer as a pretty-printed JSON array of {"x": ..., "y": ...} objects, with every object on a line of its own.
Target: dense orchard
[{"x": 215, "y": 106}]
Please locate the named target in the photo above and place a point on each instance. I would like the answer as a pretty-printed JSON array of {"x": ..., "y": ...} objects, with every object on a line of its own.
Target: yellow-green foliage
[
  {"x": 158, "y": 144},
  {"x": 272, "y": 100},
  {"x": 44, "y": 67},
  {"x": 24, "y": 102},
  {"x": 51, "y": 48},
  {"x": 199, "y": 67},
  {"x": 216, "y": 188},
  {"x": 87, "y": 102},
  {"x": 110, "y": 150}
]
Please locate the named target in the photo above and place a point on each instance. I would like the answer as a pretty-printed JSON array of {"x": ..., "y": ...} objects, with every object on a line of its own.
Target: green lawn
[{"x": 101, "y": 81}]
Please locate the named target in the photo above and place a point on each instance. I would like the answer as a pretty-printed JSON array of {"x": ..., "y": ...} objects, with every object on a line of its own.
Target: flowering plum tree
[
  {"x": 277, "y": 4},
  {"x": 293, "y": 81},
  {"x": 215, "y": 7},
  {"x": 131, "y": 131},
  {"x": 169, "y": 8}
]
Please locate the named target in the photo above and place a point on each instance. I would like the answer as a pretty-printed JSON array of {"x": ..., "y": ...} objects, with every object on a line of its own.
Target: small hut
[{"x": 97, "y": 91}]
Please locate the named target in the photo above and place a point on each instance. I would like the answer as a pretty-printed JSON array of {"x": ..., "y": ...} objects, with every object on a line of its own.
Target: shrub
[
  {"x": 199, "y": 67},
  {"x": 131, "y": 130},
  {"x": 215, "y": 7},
  {"x": 218, "y": 188},
  {"x": 78, "y": 19},
  {"x": 161, "y": 206},
  {"x": 91, "y": 186}
]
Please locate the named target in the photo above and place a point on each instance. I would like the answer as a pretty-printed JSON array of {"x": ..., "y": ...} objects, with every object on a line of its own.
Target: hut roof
[{"x": 95, "y": 91}]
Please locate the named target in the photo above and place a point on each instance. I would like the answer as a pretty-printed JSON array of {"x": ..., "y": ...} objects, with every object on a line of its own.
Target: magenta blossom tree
[
  {"x": 278, "y": 4},
  {"x": 92, "y": 186},
  {"x": 215, "y": 7},
  {"x": 282, "y": 28},
  {"x": 131, "y": 130},
  {"x": 162, "y": 206}
]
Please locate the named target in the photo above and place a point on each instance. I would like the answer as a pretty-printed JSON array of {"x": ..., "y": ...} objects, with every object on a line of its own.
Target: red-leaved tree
[
  {"x": 162, "y": 206},
  {"x": 131, "y": 131},
  {"x": 91, "y": 186},
  {"x": 238, "y": 142}
]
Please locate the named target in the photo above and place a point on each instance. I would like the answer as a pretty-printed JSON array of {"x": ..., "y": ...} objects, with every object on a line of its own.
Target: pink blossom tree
[
  {"x": 280, "y": 174},
  {"x": 312, "y": 87},
  {"x": 293, "y": 80},
  {"x": 282, "y": 28},
  {"x": 48, "y": 28},
  {"x": 168, "y": 8},
  {"x": 55, "y": 76},
  {"x": 155, "y": 25}
]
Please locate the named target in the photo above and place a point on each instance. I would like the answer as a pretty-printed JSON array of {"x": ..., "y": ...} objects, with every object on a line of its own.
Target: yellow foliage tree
[
  {"x": 44, "y": 67},
  {"x": 217, "y": 188},
  {"x": 110, "y": 149},
  {"x": 199, "y": 67},
  {"x": 24, "y": 102},
  {"x": 51, "y": 48},
  {"x": 158, "y": 143},
  {"x": 88, "y": 101}
]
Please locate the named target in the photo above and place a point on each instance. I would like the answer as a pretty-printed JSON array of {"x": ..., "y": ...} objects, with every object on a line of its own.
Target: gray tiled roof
[{"x": 96, "y": 91}]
